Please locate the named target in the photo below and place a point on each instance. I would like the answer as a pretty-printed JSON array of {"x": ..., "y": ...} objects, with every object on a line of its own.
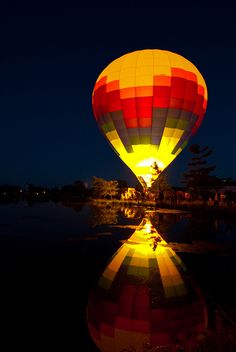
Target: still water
[{"x": 53, "y": 256}]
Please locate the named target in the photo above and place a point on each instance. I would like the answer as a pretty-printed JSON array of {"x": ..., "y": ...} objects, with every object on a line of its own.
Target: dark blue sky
[{"x": 51, "y": 55}]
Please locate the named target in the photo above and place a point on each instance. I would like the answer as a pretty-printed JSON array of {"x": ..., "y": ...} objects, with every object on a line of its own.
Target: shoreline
[{"x": 186, "y": 206}]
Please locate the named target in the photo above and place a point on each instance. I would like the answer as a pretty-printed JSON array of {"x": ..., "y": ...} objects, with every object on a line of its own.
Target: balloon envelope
[{"x": 148, "y": 104}]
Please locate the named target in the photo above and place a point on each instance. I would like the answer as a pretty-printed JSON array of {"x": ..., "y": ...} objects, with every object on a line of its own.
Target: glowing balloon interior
[
  {"x": 145, "y": 298},
  {"x": 148, "y": 104}
]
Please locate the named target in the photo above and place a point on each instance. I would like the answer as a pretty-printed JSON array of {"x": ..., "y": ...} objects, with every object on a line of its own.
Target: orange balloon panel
[
  {"x": 148, "y": 104},
  {"x": 145, "y": 297}
]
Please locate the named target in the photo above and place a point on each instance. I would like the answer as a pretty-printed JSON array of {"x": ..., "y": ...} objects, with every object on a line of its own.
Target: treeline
[
  {"x": 198, "y": 183},
  {"x": 200, "y": 180},
  {"x": 78, "y": 191}
]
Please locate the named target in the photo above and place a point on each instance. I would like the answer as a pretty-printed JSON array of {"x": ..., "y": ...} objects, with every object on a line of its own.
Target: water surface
[{"x": 52, "y": 255}]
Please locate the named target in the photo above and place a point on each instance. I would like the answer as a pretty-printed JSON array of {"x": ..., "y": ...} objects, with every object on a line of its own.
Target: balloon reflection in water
[{"x": 145, "y": 299}]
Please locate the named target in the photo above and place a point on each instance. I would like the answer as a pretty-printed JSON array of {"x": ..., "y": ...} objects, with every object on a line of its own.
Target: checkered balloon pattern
[{"x": 148, "y": 104}]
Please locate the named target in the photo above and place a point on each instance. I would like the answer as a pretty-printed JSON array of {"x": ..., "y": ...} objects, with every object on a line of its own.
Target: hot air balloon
[
  {"x": 145, "y": 299},
  {"x": 148, "y": 103}
]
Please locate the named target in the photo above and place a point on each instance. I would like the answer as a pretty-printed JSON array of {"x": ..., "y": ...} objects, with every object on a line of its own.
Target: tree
[
  {"x": 122, "y": 187},
  {"x": 80, "y": 189},
  {"x": 198, "y": 179},
  {"x": 155, "y": 172},
  {"x": 104, "y": 188},
  {"x": 75, "y": 191},
  {"x": 160, "y": 186}
]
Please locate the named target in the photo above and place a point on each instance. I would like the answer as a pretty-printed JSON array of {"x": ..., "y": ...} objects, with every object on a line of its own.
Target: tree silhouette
[
  {"x": 104, "y": 188},
  {"x": 160, "y": 185},
  {"x": 198, "y": 179}
]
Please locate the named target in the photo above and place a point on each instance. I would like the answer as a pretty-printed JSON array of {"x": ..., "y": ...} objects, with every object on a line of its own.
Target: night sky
[{"x": 51, "y": 56}]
